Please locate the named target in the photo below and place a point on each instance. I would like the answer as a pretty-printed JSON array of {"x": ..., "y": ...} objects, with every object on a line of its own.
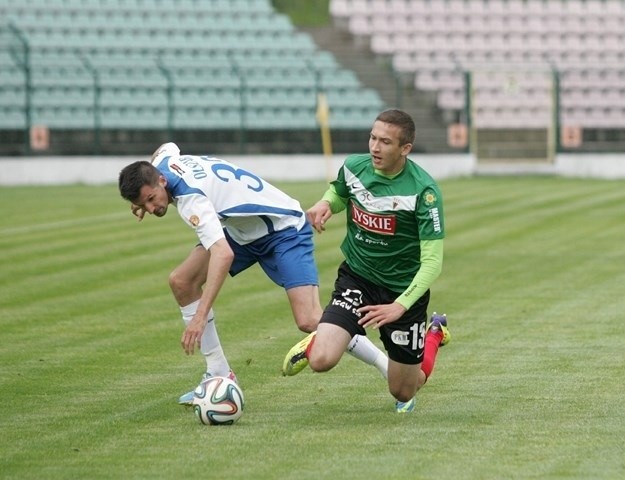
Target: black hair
[{"x": 134, "y": 176}]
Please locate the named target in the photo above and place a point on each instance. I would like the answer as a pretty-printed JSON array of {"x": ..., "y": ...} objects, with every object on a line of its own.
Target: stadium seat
[{"x": 12, "y": 117}]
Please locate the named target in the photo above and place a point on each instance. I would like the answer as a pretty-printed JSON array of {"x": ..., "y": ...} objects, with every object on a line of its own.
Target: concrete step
[{"x": 376, "y": 72}]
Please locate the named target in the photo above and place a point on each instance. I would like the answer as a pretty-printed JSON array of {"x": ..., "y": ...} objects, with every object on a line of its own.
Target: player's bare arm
[
  {"x": 221, "y": 257},
  {"x": 377, "y": 315},
  {"x": 319, "y": 214}
]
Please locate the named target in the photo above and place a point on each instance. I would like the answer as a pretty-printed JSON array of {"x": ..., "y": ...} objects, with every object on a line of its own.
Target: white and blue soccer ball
[{"x": 218, "y": 401}]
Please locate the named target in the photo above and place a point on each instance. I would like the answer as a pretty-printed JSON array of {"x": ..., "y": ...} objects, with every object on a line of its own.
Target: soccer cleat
[
  {"x": 438, "y": 323},
  {"x": 295, "y": 361},
  {"x": 405, "y": 407},
  {"x": 187, "y": 398}
]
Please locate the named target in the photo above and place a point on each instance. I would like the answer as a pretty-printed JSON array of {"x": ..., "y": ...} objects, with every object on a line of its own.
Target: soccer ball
[{"x": 218, "y": 401}]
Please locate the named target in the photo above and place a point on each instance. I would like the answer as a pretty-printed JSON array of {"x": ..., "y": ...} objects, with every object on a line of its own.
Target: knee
[
  {"x": 178, "y": 282},
  {"x": 307, "y": 324},
  {"x": 319, "y": 362},
  {"x": 403, "y": 393}
]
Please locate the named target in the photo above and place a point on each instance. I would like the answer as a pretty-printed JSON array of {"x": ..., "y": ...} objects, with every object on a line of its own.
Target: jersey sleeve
[
  {"x": 336, "y": 202},
  {"x": 199, "y": 213},
  {"x": 339, "y": 185},
  {"x": 430, "y": 214},
  {"x": 431, "y": 266}
]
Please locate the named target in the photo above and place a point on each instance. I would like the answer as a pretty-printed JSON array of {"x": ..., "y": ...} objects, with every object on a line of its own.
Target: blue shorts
[{"x": 287, "y": 257}]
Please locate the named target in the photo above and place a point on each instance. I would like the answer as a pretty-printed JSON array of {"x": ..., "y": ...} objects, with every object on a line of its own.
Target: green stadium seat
[
  {"x": 268, "y": 118},
  {"x": 12, "y": 96},
  {"x": 207, "y": 118},
  {"x": 296, "y": 98},
  {"x": 352, "y": 117},
  {"x": 53, "y": 95},
  {"x": 12, "y": 117},
  {"x": 227, "y": 97},
  {"x": 63, "y": 117},
  {"x": 134, "y": 117}
]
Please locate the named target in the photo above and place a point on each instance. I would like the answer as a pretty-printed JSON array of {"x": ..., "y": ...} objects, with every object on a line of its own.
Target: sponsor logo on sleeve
[
  {"x": 436, "y": 219},
  {"x": 194, "y": 220}
]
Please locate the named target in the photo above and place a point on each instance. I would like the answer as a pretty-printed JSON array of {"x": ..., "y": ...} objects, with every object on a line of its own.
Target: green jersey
[{"x": 386, "y": 220}]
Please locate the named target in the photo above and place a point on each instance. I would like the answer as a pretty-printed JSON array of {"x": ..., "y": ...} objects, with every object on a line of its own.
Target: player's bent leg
[
  {"x": 186, "y": 280},
  {"x": 329, "y": 346},
  {"x": 325, "y": 347},
  {"x": 363, "y": 349},
  {"x": 216, "y": 361},
  {"x": 305, "y": 306},
  {"x": 403, "y": 383}
]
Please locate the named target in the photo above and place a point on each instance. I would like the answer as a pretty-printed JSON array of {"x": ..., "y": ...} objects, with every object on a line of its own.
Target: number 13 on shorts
[{"x": 418, "y": 336}]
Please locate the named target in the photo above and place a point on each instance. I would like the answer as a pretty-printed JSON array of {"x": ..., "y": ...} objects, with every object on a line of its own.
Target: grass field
[{"x": 531, "y": 386}]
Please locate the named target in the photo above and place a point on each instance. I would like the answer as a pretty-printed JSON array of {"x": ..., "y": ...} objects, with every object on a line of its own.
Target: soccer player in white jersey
[
  {"x": 240, "y": 219},
  {"x": 393, "y": 251}
]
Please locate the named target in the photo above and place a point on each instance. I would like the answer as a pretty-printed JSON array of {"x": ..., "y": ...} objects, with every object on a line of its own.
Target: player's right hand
[
  {"x": 137, "y": 211},
  {"x": 318, "y": 215},
  {"x": 192, "y": 335}
]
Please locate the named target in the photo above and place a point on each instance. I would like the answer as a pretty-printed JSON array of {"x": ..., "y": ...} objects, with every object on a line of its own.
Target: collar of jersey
[{"x": 389, "y": 177}]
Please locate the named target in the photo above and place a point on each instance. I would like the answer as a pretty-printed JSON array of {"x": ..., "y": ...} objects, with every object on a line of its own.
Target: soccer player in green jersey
[{"x": 393, "y": 252}]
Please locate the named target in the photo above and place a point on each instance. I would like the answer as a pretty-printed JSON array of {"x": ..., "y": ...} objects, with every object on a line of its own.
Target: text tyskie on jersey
[{"x": 382, "y": 224}]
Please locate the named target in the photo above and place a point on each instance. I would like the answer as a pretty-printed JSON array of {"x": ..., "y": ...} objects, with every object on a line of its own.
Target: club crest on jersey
[
  {"x": 429, "y": 198},
  {"x": 194, "y": 220},
  {"x": 383, "y": 224}
]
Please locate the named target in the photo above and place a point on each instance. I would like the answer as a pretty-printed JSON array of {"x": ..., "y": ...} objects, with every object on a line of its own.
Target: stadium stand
[
  {"x": 505, "y": 63},
  {"x": 239, "y": 66},
  {"x": 168, "y": 65}
]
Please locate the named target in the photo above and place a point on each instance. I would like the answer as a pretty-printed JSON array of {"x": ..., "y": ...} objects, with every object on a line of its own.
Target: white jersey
[{"x": 212, "y": 194}]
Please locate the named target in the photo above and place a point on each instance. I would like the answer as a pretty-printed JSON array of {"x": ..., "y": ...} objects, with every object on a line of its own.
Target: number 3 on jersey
[{"x": 225, "y": 173}]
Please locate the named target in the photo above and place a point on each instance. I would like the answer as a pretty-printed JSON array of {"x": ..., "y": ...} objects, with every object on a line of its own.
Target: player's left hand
[
  {"x": 375, "y": 316},
  {"x": 192, "y": 335}
]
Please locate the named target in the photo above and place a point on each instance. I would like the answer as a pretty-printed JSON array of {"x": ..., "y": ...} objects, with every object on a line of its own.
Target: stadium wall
[{"x": 103, "y": 170}]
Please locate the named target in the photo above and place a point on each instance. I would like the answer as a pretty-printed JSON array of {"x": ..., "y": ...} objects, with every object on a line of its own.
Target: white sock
[
  {"x": 216, "y": 362},
  {"x": 363, "y": 349}
]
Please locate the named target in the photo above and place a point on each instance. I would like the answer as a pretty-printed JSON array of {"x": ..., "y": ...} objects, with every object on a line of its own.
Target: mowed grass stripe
[
  {"x": 532, "y": 210},
  {"x": 76, "y": 243}
]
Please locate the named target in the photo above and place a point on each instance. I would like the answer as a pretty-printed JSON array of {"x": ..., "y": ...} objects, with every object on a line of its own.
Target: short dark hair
[
  {"x": 134, "y": 176},
  {"x": 403, "y": 121}
]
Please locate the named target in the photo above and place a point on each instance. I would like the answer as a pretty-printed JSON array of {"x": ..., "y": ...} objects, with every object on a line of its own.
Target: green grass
[
  {"x": 305, "y": 13},
  {"x": 531, "y": 386}
]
